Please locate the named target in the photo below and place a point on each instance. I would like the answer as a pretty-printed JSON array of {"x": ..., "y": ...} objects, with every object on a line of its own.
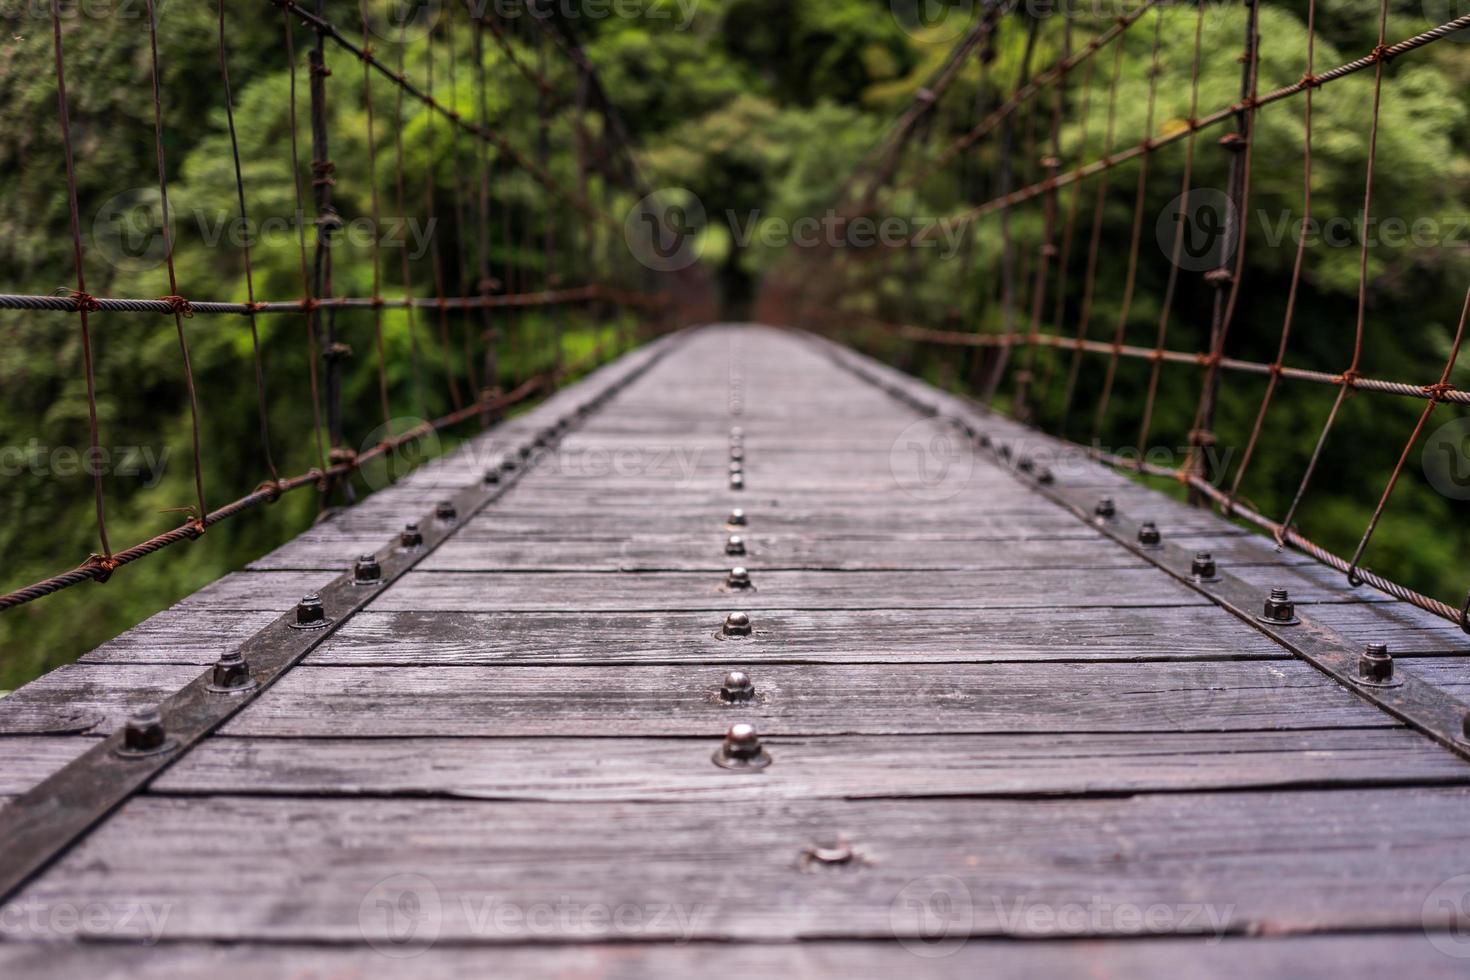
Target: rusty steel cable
[
  {"x": 1226, "y": 278},
  {"x": 180, "y": 305},
  {"x": 84, "y": 304},
  {"x": 308, "y": 295},
  {"x": 318, "y": 302},
  {"x": 260, "y": 391}
]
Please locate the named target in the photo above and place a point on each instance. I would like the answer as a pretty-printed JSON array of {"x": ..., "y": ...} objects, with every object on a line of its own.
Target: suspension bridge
[{"x": 737, "y": 647}]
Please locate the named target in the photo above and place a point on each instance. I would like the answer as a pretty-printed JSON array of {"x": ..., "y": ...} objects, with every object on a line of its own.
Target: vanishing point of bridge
[{"x": 747, "y": 653}]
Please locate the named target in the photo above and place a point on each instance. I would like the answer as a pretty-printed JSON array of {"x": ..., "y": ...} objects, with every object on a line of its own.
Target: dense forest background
[{"x": 759, "y": 110}]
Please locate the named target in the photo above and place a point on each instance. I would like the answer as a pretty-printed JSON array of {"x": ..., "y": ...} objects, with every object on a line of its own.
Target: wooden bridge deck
[{"x": 987, "y": 719}]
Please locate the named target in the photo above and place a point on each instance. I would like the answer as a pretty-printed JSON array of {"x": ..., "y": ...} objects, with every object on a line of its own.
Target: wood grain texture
[
  {"x": 1144, "y": 958},
  {"x": 627, "y": 592},
  {"x": 895, "y": 636},
  {"x": 734, "y": 869},
  {"x": 851, "y": 767},
  {"x": 372, "y": 702}
]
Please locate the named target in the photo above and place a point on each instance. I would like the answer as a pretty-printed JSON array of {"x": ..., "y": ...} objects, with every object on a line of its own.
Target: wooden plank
[
  {"x": 734, "y": 869},
  {"x": 1404, "y": 628},
  {"x": 185, "y": 636},
  {"x": 815, "y": 699},
  {"x": 851, "y": 767},
  {"x": 628, "y": 592},
  {"x": 25, "y": 760},
  {"x": 791, "y": 636},
  {"x": 79, "y": 698},
  {"x": 766, "y": 552},
  {"x": 1322, "y": 957}
]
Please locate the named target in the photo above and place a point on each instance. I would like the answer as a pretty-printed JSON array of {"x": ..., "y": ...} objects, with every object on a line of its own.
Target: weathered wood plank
[
  {"x": 25, "y": 760},
  {"x": 1329, "y": 957},
  {"x": 787, "y": 636},
  {"x": 80, "y": 698},
  {"x": 373, "y": 702},
  {"x": 851, "y": 767},
  {"x": 1326, "y": 865},
  {"x": 653, "y": 591},
  {"x": 765, "y": 552}
]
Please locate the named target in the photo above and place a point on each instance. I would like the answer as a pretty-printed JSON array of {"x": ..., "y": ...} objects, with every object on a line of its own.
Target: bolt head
[
  {"x": 742, "y": 749},
  {"x": 1148, "y": 534},
  {"x": 310, "y": 612},
  {"x": 739, "y": 578},
  {"x": 492, "y": 476},
  {"x": 411, "y": 537},
  {"x": 737, "y": 687},
  {"x": 1376, "y": 664},
  {"x": 736, "y": 466},
  {"x": 735, "y": 545},
  {"x": 1203, "y": 566},
  {"x": 508, "y": 464},
  {"x": 737, "y": 481},
  {"x": 737, "y": 518},
  {"x": 367, "y": 571},
  {"x": 736, "y": 432},
  {"x": 231, "y": 672},
  {"x": 1279, "y": 609},
  {"x": 144, "y": 731},
  {"x": 736, "y": 453},
  {"x": 737, "y": 624},
  {"x": 1106, "y": 509},
  {"x": 444, "y": 510},
  {"x": 524, "y": 452}
]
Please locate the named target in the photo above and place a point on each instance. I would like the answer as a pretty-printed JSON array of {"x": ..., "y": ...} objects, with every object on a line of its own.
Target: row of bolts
[{"x": 742, "y": 750}]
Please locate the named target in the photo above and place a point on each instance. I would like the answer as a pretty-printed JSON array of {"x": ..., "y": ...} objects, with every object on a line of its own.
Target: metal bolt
[
  {"x": 736, "y": 466},
  {"x": 492, "y": 476},
  {"x": 742, "y": 749},
  {"x": 1106, "y": 509},
  {"x": 736, "y": 432},
  {"x": 738, "y": 578},
  {"x": 735, "y": 545},
  {"x": 1148, "y": 535},
  {"x": 144, "y": 734},
  {"x": 1203, "y": 567},
  {"x": 444, "y": 511},
  {"x": 737, "y": 481},
  {"x": 367, "y": 571},
  {"x": 736, "y": 453},
  {"x": 1375, "y": 666},
  {"x": 231, "y": 674},
  {"x": 737, "y": 518},
  {"x": 524, "y": 452},
  {"x": 310, "y": 614},
  {"x": 737, "y": 624},
  {"x": 737, "y": 687},
  {"x": 508, "y": 464},
  {"x": 1279, "y": 609},
  {"x": 411, "y": 537},
  {"x": 836, "y": 854}
]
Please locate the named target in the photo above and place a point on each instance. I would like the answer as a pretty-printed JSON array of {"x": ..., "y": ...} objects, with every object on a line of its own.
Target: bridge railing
[
  {"x": 1015, "y": 155},
  {"x": 515, "y": 230}
]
